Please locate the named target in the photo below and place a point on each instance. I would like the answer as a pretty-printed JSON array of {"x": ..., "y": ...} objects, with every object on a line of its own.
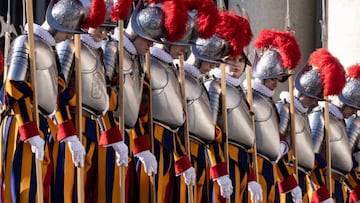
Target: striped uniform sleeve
[
  {"x": 19, "y": 97},
  {"x": 141, "y": 128},
  {"x": 62, "y": 115},
  {"x": 182, "y": 160},
  {"x": 110, "y": 131},
  {"x": 216, "y": 156}
]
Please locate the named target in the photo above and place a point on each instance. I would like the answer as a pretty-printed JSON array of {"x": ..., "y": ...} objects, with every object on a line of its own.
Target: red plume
[
  {"x": 175, "y": 20},
  {"x": 97, "y": 14},
  {"x": 286, "y": 44},
  {"x": 331, "y": 70},
  {"x": 354, "y": 71},
  {"x": 236, "y": 30},
  {"x": 1, "y": 62},
  {"x": 207, "y": 16},
  {"x": 120, "y": 10}
]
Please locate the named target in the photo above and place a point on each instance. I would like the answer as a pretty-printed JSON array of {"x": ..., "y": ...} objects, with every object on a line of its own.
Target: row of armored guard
[{"x": 215, "y": 37}]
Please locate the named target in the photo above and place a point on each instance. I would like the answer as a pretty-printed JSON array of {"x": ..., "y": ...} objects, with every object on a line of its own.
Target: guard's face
[
  {"x": 307, "y": 101},
  {"x": 271, "y": 83},
  {"x": 99, "y": 33},
  {"x": 142, "y": 45},
  {"x": 348, "y": 111},
  {"x": 235, "y": 66},
  {"x": 205, "y": 67},
  {"x": 62, "y": 36},
  {"x": 176, "y": 51}
]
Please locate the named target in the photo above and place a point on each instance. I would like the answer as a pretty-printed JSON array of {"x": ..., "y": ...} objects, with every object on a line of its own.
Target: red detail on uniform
[
  {"x": 355, "y": 194},
  {"x": 141, "y": 144},
  {"x": 287, "y": 184},
  {"x": 218, "y": 170},
  {"x": 110, "y": 136},
  {"x": 331, "y": 71},
  {"x": 283, "y": 41},
  {"x": 236, "y": 30},
  {"x": 97, "y": 14},
  {"x": 251, "y": 175},
  {"x": 207, "y": 16},
  {"x": 182, "y": 164},
  {"x": 354, "y": 71},
  {"x": 120, "y": 10},
  {"x": 175, "y": 20},
  {"x": 28, "y": 130},
  {"x": 283, "y": 139},
  {"x": 252, "y": 113},
  {"x": 66, "y": 129},
  {"x": 320, "y": 194}
]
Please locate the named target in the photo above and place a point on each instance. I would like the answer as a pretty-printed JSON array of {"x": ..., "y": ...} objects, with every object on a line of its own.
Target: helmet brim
[
  {"x": 136, "y": 26},
  {"x": 55, "y": 25}
]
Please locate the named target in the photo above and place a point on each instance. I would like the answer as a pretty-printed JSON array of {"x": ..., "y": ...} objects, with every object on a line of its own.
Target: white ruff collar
[
  {"x": 43, "y": 34},
  {"x": 87, "y": 39},
  {"x": 191, "y": 69},
  {"x": 332, "y": 109},
  {"x": 128, "y": 45},
  {"x": 286, "y": 96},
  {"x": 161, "y": 54},
  {"x": 257, "y": 86},
  {"x": 231, "y": 80}
]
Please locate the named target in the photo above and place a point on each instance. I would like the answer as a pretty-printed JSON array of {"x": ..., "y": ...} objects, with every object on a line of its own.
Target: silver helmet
[
  {"x": 350, "y": 94},
  {"x": 211, "y": 50},
  {"x": 322, "y": 76},
  {"x": 67, "y": 15},
  {"x": 268, "y": 64},
  {"x": 309, "y": 83},
  {"x": 279, "y": 51},
  {"x": 108, "y": 22},
  {"x": 191, "y": 33},
  {"x": 146, "y": 22}
]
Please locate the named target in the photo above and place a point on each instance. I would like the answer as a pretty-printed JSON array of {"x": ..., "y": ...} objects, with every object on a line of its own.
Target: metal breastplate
[
  {"x": 340, "y": 150},
  {"x": 65, "y": 51},
  {"x": 266, "y": 126},
  {"x": 353, "y": 132},
  {"x": 110, "y": 48},
  {"x": 46, "y": 70},
  {"x": 341, "y": 159},
  {"x": 199, "y": 111},
  {"x": 94, "y": 95},
  {"x": 133, "y": 86},
  {"x": 166, "y": 94},
  {"x": 304, "y": 146},
  {"x": 239, "y": 120}
]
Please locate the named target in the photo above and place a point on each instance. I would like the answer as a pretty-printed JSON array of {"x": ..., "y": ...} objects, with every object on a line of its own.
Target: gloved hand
[
  {"x": 283, "y": 149},
  {"x": 225, "y": 184},
  {"x": 329, "y": 200},
  {"x": 296, "y": 194},
  {"x": 255, "y": 191},
  {"x": 77, "y": 150},
  {"x": 148, "y": 160},
  {"x": 189, "y": 176},
  {"x": 121, "y": 153},
  {"x": 37, "y": 146}
]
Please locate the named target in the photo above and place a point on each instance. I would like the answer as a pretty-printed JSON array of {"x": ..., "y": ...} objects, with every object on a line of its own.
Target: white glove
[
  {"x": 283, "y": 149},
  {"x": 255, "y": 191},
  {"x": 329, "y": 200},
  {"x": 37, "y": 146},
  {"x": 121, "y": 153},
  {"x": 149, "y": 161},
  {"x": 189, "y": 176},
  {"x": 296, "y": 194},
  {"x": 226, "y": 187},
  {"x": 77, "y": 150}
]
